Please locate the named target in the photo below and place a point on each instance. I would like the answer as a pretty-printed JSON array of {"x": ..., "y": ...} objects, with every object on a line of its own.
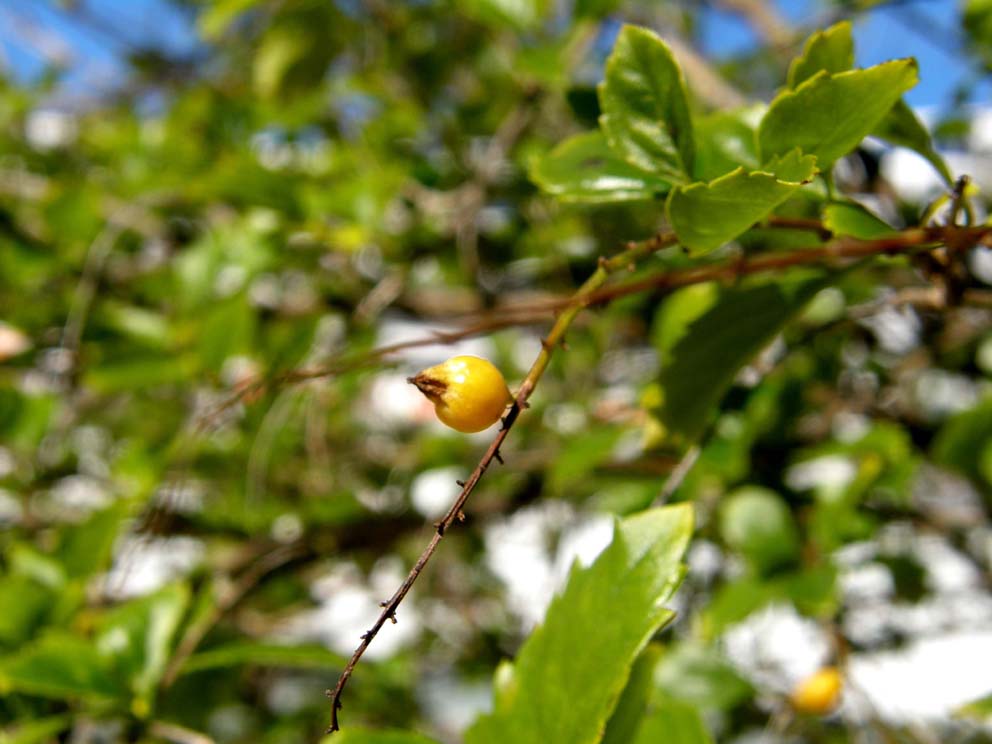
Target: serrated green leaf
[
  {"x": 672, "y": 722},
  {"x": 705, "y": 334},
  {"x": 60, "y": 666},
  {"x": 353, "y": 735},
  {"x": 902, "y": 127},
  {"x": 831, "y": 49},
  {"x": 828, "y": 115},
  {"x": 591, "y": 636},
  {"x": 849, "y": 218},
  {"x": 707, "y": 215},
  {"x": 584, "y": 169},
  {"x": 308, "y": 656},
  {"x": 645, "y": 112}
]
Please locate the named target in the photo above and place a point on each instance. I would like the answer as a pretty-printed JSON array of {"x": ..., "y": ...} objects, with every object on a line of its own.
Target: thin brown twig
[
  {"x": 536, "y": 312},
  {"x": 954, "y": 238},
  {"x": 555, "y": 337}
]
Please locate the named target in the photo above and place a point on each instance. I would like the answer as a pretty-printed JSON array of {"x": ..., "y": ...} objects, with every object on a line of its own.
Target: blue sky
[{"x": 926, "y": 29}]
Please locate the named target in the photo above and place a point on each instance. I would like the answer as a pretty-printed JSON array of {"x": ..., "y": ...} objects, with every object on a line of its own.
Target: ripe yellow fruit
[
  {"x": 819, "y": 693},
  {"x": 469, "y": 394}
]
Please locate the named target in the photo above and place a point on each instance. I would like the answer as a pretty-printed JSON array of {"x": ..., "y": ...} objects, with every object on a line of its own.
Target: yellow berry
[
  {"x": 819, "y": 693},
  {"x": 469, "y": 394}
]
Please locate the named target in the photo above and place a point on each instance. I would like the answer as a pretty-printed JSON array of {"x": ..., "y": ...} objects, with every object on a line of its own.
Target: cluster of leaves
[{"x": 318, "y": 174}]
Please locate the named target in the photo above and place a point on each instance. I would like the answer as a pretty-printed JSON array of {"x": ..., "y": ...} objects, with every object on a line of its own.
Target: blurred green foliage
[{"x": 184, "y": 522}]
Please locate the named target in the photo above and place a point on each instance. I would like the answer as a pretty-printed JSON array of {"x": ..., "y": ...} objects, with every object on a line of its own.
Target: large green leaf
[
  {"x": 60, "y": 666},
  {"x": 138, "y": 635},
  {"x": 831, "y": 49},
  {"x": 584, "y": 169},
  {"x": 570, "y": 672},
  {"x": 705, "y": 334},
  {"x": 707, "y": 215},
  {"x": 829, "y": 114},
  {"x": 901, "y": 126},
  {"x": 645, "y": 111}
]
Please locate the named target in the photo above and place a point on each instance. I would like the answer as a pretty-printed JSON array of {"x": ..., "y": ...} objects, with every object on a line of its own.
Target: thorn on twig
[
  {"x": 366, "y": 635},
  {"x": 499, "y": 457},
  {"x": 461, "y": 483},
  {"x": 439, "y": 526},
  {"x": 547, "y": 345}
]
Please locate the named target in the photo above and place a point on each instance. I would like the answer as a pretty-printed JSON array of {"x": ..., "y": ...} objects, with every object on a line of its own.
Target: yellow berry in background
[
  {"x": 819, "y": 693},
  {"x": 469, "y": 394}
]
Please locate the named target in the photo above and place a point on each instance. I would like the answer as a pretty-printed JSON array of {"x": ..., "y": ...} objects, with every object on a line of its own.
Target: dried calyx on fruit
[{"x": 469, "y": 394}]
